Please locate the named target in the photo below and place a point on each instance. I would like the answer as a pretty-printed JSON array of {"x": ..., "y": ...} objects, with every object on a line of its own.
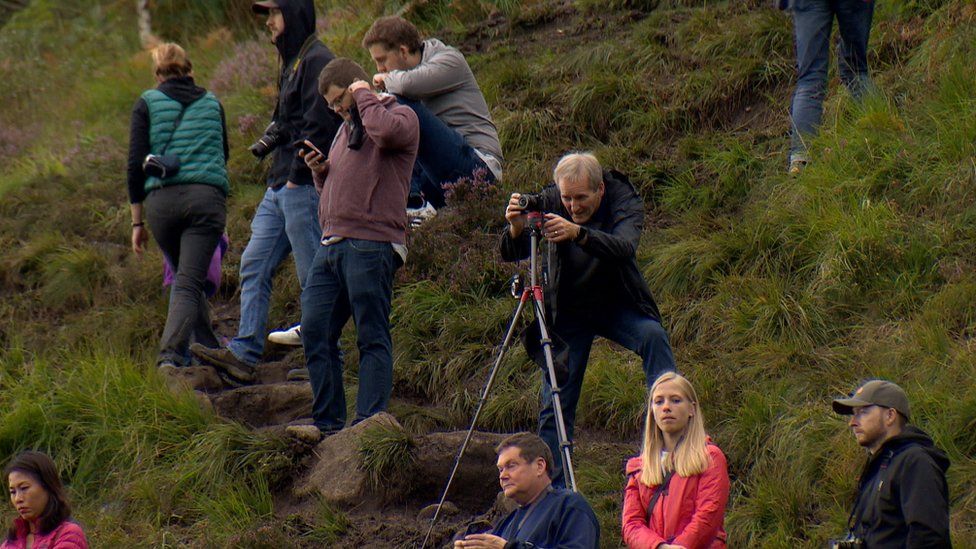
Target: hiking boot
[
  {"x": 796, "y": 166},
  {"x": 418, "y": 216},
  {"x": 292, "y": 337},
  {"x": 297, "y": 374},
  {"x": 167, "y": 367},
  {"x": 223, "y": 359}
]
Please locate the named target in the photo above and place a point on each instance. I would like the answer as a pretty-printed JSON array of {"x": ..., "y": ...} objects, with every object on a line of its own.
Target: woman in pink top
[{"x": 44, "y": 515}]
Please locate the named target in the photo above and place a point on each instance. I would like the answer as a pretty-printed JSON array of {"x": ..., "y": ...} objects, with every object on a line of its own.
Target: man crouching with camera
[
  {"x": 593, "y": 222},
  {"x": 903, "y": 497}
]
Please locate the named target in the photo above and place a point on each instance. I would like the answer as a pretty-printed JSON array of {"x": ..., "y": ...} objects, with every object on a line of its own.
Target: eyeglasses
[{"x": 335, "y": 103}]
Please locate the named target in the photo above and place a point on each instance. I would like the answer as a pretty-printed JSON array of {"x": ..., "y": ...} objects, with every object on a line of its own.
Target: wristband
[
  {"x": 139, "y": 224},
  {"x": 580, "y": 235}
]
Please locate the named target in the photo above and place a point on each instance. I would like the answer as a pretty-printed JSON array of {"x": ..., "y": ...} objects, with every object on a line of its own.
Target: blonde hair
[
  {"x": 690, "y": 456},
  {"x": 170, "y": 61},
  {"x": 577, "y": 166}
]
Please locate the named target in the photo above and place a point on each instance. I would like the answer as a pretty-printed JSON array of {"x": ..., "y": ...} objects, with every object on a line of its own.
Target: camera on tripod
[{"x": 530, "y": 202}]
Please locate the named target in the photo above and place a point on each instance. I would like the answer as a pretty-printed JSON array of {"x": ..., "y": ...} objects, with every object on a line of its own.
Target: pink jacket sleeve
[
  {"x": 636, "y": 533},
  {"x": 70, "y": 537},
  {"x": 713, "y": 494}
]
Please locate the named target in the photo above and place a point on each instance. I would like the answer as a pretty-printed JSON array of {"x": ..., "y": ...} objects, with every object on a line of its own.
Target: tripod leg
[
  {"x": 481, "y": 403},
  {"x": 557, "y": 406}
]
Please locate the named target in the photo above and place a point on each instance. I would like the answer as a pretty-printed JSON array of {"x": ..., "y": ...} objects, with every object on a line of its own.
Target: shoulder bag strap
[{"x": 663, "y": 487}]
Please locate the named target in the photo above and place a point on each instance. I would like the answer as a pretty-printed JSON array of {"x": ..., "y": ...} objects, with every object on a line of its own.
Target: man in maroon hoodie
[{"x": 364, "y": 185}]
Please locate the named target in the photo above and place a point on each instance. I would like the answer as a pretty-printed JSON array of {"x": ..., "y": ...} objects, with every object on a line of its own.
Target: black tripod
[{"x": 534, "y": 293}]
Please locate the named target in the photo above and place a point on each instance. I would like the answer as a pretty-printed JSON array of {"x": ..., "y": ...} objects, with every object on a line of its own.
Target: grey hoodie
[{"x": 444, "y": 82}]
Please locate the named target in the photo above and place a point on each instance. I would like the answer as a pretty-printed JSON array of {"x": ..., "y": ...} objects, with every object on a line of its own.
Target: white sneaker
[
  {"x": 417, "y": 216},
  {"x": 291, "y": 337}
]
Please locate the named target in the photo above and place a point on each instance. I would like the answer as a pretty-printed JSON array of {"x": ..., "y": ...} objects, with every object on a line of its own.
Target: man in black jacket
[
  {"x": 593, "y": 223},
  {"x": 287, "y": 218},
  {"x": 903, "y": 498}
]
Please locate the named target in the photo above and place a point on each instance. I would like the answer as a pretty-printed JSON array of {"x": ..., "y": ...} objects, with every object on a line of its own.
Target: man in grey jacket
[{"x": 457, "y": 136}]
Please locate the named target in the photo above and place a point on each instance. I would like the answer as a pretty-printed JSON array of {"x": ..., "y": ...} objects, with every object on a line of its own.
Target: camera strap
[{"x": 857, "y": 513}]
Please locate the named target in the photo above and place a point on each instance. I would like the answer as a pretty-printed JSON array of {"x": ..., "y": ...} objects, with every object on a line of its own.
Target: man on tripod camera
[{"x": 593, "y": 222}]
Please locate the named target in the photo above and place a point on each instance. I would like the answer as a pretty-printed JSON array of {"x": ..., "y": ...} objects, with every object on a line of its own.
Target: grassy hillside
[{"x": 778, "y": 293}]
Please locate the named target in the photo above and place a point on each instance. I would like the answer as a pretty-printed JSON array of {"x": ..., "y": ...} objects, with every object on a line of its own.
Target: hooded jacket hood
[
  {"x": 299, "y": 16},
  {"x": 913, "y": 435},
  {"x": 182, "y": 89}
]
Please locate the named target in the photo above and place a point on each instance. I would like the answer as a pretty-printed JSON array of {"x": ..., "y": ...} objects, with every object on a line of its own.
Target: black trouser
[{"x": 187, "y": 221}]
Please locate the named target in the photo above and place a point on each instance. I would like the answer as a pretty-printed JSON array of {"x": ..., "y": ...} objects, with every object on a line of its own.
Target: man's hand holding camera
[{"x": 555, "y": 229}]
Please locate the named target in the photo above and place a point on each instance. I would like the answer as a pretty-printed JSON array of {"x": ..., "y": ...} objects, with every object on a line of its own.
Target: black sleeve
[
  {"x": 138, "y": 149},
  {"x": 319, "y": 124},
  {"x": 223, "y": 127},
  {"x": 924, "y": 501},
  {"x": 621, "y": 241}
]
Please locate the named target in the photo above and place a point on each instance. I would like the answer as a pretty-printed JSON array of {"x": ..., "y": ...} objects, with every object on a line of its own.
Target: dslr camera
[
  {"x": 850, "y": 542},
  {"x": 272, "y": 138},
  {"x": 530, "y": 202}
]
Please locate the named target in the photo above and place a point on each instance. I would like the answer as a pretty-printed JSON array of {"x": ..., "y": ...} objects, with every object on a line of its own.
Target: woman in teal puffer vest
[{"x": 186, "y": 208}]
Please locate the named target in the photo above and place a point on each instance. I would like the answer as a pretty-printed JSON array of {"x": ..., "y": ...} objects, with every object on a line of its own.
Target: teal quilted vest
[{"x": 199, "y": 140}]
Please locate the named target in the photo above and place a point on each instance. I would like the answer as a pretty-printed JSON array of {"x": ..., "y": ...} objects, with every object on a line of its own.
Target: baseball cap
[
  {"x": 264, "y": 6},
  {"x": 877, "y": 392}
]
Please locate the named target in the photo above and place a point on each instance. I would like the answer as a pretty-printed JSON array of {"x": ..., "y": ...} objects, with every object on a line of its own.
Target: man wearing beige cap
[{"x": 903, "y": 498}]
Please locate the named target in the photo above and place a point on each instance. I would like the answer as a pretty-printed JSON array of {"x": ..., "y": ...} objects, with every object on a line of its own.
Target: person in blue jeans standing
[
  {"x": 286, "y": 220},
  {"x": 458, "y": 138},
  {"x": 813, "y": 21},
  {"x": 364, "y": 183},
  {"x": 593, "y": 223}
]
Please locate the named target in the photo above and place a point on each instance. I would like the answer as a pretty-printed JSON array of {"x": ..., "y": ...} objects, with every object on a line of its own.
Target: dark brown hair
[
  {"x": 531, "y": 447},
  {"x": 40, "y": 467},
  {"x": 340, "y": 72},
  {"x": 391, "y": 32}
]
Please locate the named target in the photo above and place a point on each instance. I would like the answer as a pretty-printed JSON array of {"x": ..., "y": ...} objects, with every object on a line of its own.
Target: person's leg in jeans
[
  {"x": 325, "y": 310},
  {"x": 443, "y": 153},
  {"x": 812, "y": 22},
  {"x": 194, "y": 220},
  {"x": 266, "y": 249},
  {"x": 854, "y": 23},
  {"x": 578, "y": 335},
  {"x": 367, "y": 272},
  {"x": 641, "y": 334},
  {"x": 300, "y": 207}
]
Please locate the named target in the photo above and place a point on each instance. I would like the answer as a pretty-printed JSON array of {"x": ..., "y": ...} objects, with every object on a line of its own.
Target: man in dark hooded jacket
[
  {"x": 287, "y": 218},
  {"x": 593, "y": 223},
  {"x": 903, "y": 498}
]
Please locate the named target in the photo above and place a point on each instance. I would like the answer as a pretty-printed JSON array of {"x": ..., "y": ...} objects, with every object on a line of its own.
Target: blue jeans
[
  {"x": 629, "y": 327},
  {"x": 443, "y": 156},
  {"x": 349, "y": 278},
  {"x": 812, "y": 24},
  {"x": 287, "y": 220}
]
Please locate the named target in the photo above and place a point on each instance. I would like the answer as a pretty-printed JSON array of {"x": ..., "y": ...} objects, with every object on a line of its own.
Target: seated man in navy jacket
[{"x": 546, "y": 516}]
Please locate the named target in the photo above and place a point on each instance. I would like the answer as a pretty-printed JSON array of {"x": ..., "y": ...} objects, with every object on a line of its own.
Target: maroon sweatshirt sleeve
[{"x": 394, "y": 128}]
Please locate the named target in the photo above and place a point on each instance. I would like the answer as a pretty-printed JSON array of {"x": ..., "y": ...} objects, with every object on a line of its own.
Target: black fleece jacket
[
  {"x": 602, "y": 271},
  {"x": 182, "y": 89},
  {"x": 903, "y": 498},
  {"x": 301, "y": 112}
]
